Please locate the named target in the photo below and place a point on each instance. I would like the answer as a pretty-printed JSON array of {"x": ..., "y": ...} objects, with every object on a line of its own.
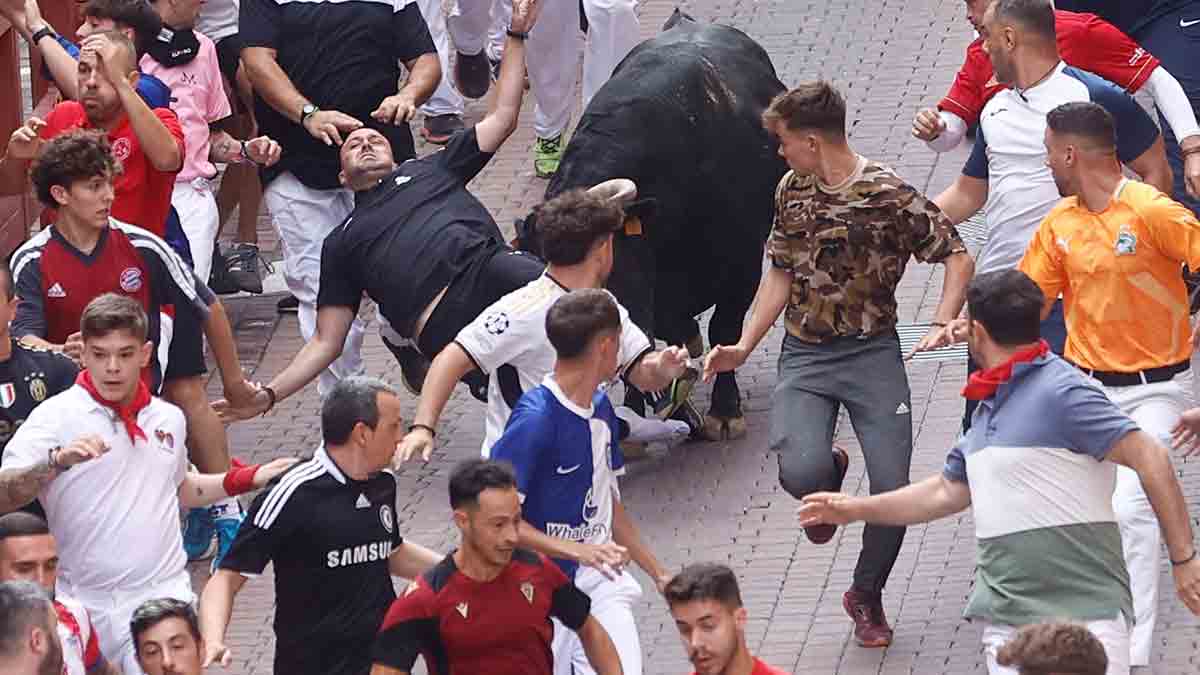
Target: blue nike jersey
[{"x": 567, "y": 460}]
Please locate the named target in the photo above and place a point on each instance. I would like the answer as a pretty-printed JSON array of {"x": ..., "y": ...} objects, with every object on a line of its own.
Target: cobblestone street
[{"x": 722, "y": 501}]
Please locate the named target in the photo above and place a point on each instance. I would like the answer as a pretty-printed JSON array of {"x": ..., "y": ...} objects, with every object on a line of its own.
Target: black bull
[{"x": 681, "y": 116}]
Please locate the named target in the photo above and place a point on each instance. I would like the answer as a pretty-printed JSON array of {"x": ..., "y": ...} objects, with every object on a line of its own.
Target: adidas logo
[
  {"x": 902, "y": 409},
  {"x": 363, "y": 502},
  {"x": 56, "y": 291}
]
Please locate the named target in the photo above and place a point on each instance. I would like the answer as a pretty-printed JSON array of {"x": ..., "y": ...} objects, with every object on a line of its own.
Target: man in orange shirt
[{"x": 1114, "y": 248}]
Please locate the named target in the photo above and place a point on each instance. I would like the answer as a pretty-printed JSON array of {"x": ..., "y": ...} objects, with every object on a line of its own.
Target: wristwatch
[
  {"x": 306, "y": 111},
  {"x": 44, "y": 31}
]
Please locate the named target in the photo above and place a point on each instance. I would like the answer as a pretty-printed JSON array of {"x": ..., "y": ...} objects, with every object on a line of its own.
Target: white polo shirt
[
  {"x": 116, "y": 518},
  {"x": 1010, "y": 153},
  {"x": 508, "y": 342}
]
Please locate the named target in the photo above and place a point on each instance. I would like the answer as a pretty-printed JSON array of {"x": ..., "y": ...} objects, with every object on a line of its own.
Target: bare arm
[
  {"x": 410, "y": 559},
  {"x": 223, "y": 345},
  {"x": 769, "y": 301},
  {"x": 599, "y": 647},
  {"x": 447, "y": 369},
  {"x": 202, "y": 489},
  {"x": 380, "y": 669},
  {"x": 424, "y": 74},
  {"x": 625, "y": 533},
  {"x": 960, "y": 267},
  {"x": 933, "y": 498},
  {"x": 19, "y": 487},
  {"x": 333, "y": 324},
  {"x": 963, "y": 198},
  {"x": 501, "y": 122},
  {"x": 270, "y": 82},
  {"x": 64, "y": 69},
  {"x": 655, "y": 371},
  {"x": 1152, "y": 462},
  {"x": 1153, "y": 168},
  {"x": 216, "y": 607}
]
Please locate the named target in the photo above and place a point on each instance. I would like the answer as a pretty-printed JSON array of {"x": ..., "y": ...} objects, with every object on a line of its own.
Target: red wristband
[{"x": 240, "y": 480}]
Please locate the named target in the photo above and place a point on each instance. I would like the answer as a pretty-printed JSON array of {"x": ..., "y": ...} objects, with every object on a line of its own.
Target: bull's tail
[{"x": 677, "y": 17}]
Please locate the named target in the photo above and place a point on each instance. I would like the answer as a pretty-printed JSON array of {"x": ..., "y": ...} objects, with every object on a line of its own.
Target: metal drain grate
[
  {"x": 911, "y": 333},
  {"x": 973, "y": 230}
]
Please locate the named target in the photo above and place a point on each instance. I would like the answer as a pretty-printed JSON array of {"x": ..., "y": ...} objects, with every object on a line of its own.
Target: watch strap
[{"x": 44, "y": 31}]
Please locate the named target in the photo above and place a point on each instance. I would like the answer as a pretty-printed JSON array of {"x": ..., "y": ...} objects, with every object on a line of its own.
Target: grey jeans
[{"x": 868, "y": 378}]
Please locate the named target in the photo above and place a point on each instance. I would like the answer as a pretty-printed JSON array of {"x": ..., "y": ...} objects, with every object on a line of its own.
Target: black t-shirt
[
  {"x": 329, "y": 538},
  {"x": 1129, "y": 15},
  {"x": 340, "y": 55},
  {"x": 30, "y": 376},
  {"x": 410, "y": 235}
]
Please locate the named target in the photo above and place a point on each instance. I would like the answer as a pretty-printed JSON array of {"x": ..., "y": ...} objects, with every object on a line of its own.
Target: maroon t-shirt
[{"x": 499, "y": 627}]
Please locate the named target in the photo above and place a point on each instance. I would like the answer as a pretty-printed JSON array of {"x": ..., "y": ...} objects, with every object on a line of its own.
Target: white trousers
[
  {"x": 554, "y": 46},
  {"x": 612, "y": 607},
  {"x": 1156, "y": 408},
  {"x": 303, "y": 217},
  {"x": 197, "y": 207},
  {"x": 111, "y": 611},
  {"x": 1113, "y": 634},
  {"x": 445, "y": 100},
  {"x": 474, "y": 25}
]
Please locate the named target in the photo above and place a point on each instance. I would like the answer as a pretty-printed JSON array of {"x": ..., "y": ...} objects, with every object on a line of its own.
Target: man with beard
[
  {"x": 28, "y": 645},
  {"x": 418, "y": 242},
  {"x": 1037, "y": 469},
  {"x": 707, "y": 606},
  {"x": 472, "y": 599},
  {"x": 1113, "y": 248},
  {"x": 166, "y": 634},
  {"x": 28, "y": 552}
]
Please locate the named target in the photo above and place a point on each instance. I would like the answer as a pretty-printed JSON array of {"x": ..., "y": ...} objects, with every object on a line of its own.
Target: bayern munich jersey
[{"x": 567, "y": 460}]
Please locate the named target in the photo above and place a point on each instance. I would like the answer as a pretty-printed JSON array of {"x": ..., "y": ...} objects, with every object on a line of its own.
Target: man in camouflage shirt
[{"x": 845, "y": 228}]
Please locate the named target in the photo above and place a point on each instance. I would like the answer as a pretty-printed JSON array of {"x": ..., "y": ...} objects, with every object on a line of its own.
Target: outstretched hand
[
  {"x": 524, "y": 16},
  {"x": 825, "y": 508}
]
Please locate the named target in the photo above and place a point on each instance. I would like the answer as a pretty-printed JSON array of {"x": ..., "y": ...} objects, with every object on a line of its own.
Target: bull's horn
[{"x": 623, "y": 190}]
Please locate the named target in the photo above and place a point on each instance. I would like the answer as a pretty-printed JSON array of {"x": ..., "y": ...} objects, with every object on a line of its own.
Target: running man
[
  {"x": 562, "y": 440},
  {"x": 1037, "y": 468},
  {"x": 490, "y": 601}
]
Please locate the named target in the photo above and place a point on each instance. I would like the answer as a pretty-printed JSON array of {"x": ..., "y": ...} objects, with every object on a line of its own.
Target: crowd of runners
[{"x": 1077, "y": 314}]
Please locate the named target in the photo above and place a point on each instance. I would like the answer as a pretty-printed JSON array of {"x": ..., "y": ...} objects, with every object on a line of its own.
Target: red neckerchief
[
  {"x": 128, "y": 414},
  {"x": 983, "y": 383}
]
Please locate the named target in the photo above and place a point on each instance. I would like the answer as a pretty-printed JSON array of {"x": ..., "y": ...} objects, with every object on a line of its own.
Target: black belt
[{"x": 1148, "y": 376}]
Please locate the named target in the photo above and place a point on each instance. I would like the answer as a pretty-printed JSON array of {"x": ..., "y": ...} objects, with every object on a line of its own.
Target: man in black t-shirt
[
  {"x": 28, "y": 375},
  {"x": 329, "y": 527},
  {"x": 418, "y": 242},
  {"x": 321, "y": 69}
]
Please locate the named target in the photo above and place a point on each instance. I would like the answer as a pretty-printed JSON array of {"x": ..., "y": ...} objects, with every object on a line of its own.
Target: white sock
[{"x": 650, "y": 429}]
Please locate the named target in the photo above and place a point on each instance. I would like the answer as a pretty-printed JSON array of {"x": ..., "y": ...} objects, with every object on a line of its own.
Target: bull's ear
[{"x": 622, "y": 190}]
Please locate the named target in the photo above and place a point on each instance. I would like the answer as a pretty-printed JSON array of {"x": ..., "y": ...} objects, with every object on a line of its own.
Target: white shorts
[
  {"x": 1112, "y": 633},
  {"x": 197, "y": 207},
  {"x": 111, "y": 611},
  {"x": 612, "y": 606}
]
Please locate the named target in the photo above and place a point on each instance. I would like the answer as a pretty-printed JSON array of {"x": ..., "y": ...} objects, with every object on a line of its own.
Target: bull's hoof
[
  {"x": 634, "y": 450},
  {"x": 695, "y": 346},
  {"x": 723, "y": 429}
]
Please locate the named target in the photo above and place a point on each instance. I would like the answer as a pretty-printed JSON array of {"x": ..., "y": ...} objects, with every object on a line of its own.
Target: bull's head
[{"x": 623, "y": 190}]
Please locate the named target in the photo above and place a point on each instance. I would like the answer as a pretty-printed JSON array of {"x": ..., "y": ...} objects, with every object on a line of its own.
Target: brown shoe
[
  {"x": 871, "y": 628},
  {"x": 821, "y": 534}
]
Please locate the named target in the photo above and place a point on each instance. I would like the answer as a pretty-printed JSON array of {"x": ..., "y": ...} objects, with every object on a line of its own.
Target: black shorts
[
  {"x": 229, "y": 55},
  {"x": 185, "y": 356},
  {"x": 493, "y": 275}
]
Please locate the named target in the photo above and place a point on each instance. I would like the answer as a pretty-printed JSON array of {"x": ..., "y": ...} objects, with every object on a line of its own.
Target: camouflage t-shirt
[{"x": 847, "y": 247}]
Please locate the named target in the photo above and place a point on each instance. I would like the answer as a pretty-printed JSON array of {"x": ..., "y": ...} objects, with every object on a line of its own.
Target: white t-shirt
[
  {"x": 116, "y": 518},
  {"x": 218, "y": 19},
  {"x": 512, "y": 332}
]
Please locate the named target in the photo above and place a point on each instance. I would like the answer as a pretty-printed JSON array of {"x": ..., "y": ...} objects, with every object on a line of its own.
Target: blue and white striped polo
[{"x": 1041, "y": 492}]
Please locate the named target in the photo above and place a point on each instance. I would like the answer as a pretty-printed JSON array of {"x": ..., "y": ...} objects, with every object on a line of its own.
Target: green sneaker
[{"x": 547, "y": 153}]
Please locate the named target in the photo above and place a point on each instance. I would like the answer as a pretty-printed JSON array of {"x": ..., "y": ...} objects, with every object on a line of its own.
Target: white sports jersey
[
  {"x": 508, "y": 342},
  {"x": 1010, "y": 153},
  {"x": 116, "y": 518},
  {"x": 79, "y": 645}
]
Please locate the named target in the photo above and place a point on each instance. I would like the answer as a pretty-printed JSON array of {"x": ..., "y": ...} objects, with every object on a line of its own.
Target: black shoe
[
  {"x": 472, "y": 74},
  {"x": 494, "y": 64},
  {"x": 821, "y": 534},
  {"x": 687, "y": 413},
  {"x": 439, "y": 128},
  {"x": 289, "y": 304},
  {"x": 243, "y": 267},
  {"x": 219, "y": 280}
]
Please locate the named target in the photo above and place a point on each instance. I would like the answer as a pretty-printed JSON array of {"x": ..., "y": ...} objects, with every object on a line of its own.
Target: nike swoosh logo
[
  {"x": 563, "y": 472},
  {"x": 1185, "y": 24}
]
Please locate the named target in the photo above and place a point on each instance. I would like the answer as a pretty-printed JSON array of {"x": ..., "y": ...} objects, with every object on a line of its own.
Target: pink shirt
[{"x": 198, "y": 98}]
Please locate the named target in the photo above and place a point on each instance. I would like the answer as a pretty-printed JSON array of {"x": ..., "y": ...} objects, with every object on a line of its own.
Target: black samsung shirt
[
  {"x": 329, "y": 538},
  {"x": 30, "y": 376},
  {"x": 341, "y": 55},
  {"x": 408, "y": 237}
]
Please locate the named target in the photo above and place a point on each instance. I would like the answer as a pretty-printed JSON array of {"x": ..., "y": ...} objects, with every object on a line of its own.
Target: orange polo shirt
[{"x": 1119, "y": 274}]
